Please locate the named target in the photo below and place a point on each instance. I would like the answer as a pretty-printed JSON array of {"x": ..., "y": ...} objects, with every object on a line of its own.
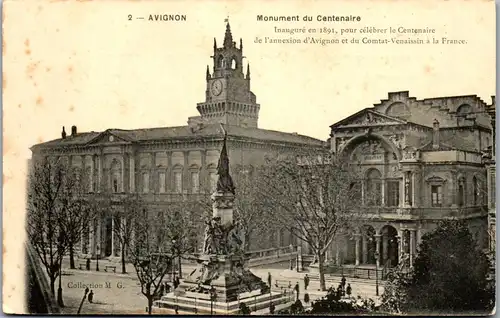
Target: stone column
[
  {"x": 382, "y": 186},
  {"x": 377, "y": 248},
  {"x": 98, "y": 237},
  {"x": 385, "y": 248},
  {"x": 357, "y": 249},
  {"x": 365, "y": 249},
  {"x": 122, "y": 185},
  {"x": 363, "y": 192},
  {"x": 132, "y": 172},
  {"x": 152, "y": 174},
  {"x": 412, "y": 246},
  {"x": 400, "y": 245},
  {"x": 186, "y": 182},
  {"x": 203, "y": 173},
  {"x": 91, "y": 238},
  {"x": 82, "y": 238},
  {"x": 407, "y": 189},
  {"x": 402, "y": 191},
  {"x": 413, "y": 203},
  {"x": 100, "y": 182},
  {"x": 337, "y": 253},
  {"x": 112, "y": 236},
  {"x": 91, "y": 174}
]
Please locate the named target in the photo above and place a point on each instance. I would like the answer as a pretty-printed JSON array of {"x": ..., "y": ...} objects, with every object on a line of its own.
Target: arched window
[
  {"x": 374, "y": 187},
  {"x": 195, "y": 181},
  {"x": 220, "y": 61},
  {"x": 476, "y": 194},
  {"x": 464, "y": 109},
  {"x": 115, "y": 176},
  {"x": 145, "y": 182},
  {"x": 178, "y": 179},
  {"x": 461, "y": 192},
  {"x": 161, "y": 181},
  {"x": 233, "y": 63}
]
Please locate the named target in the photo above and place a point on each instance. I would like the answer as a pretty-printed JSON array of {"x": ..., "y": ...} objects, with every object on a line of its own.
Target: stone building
[
  {"x": 168, "y": 164},
  {"x": 423, "y": 160}
]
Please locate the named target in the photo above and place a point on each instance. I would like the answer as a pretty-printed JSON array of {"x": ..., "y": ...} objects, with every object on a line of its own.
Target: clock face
[
  {"x": 111, "y": 138},
  {"x": 217, "y": 87}
]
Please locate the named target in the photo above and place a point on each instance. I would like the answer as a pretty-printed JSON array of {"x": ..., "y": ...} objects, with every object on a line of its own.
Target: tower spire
[
  {"x": 228, "y": 37},
  {"x": 208, "y": 72},
  {"x": 225, "y": 182},
  {"x": 215, "y": 44},
  {"x": 241, "y": 44},
  {"x": 248, "y": 71}
]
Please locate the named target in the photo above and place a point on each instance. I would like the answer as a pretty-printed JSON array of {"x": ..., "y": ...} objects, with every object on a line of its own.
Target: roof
[{"x": 182, "y": 132}]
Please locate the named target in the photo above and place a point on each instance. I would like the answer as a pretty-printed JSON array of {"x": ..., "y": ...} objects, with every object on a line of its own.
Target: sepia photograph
[{"x": 249, "y": 158}]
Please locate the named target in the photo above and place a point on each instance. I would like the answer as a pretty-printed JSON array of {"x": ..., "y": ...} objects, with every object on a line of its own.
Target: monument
[{"x": 221, "y": 281}]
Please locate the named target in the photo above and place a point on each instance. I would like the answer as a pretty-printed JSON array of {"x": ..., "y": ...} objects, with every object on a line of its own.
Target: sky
[{"x": 85, "y": 64}]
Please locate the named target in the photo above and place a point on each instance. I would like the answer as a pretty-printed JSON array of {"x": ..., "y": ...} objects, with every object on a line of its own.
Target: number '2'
[{"x": 130, "y": 17}]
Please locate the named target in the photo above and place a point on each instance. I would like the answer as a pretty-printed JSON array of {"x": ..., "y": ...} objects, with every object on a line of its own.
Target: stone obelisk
[
  {"x": 222, "y": 262},
  {"x": 221, "y": 279}
]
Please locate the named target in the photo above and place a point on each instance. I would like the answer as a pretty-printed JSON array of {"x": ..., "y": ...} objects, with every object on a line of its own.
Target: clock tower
[{"x": 228, "y": 98}]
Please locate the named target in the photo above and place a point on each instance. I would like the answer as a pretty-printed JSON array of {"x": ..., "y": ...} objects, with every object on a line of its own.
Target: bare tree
[
  {"x": 249, "y": 206},
  {"x": 56, "y": 214},
  {"x": 315, "y": 196},
  {"x": 125, "y": 216},
  {"x": 147, "y": 253}
]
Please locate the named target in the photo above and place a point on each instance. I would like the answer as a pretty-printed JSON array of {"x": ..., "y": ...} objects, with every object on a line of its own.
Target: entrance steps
[{"x": 334, "y": 279}]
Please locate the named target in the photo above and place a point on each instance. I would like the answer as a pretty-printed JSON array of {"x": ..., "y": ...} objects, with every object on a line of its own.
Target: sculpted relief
[{"x": 398, "y": 141}]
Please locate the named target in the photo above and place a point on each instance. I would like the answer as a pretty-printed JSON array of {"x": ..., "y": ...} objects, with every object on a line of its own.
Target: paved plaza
[{"x": 116, "y": 293}]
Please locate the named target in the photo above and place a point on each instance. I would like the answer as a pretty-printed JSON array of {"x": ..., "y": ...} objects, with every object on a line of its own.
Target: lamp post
[
  {"x": 173, "y": 259},
  {"x": 213, "y": 295},
  {"x": 376, "y": 271},
  {"x": 97, "y": 257}
]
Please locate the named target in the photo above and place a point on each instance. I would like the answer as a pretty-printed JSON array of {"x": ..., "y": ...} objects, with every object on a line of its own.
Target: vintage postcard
[{"x": 249, "y": 157}]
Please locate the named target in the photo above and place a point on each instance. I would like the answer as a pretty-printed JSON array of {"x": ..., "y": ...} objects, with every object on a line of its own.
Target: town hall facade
[{"x": 172, "y": 164}]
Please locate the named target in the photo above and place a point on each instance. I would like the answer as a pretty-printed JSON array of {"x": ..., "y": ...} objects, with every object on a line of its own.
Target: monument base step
[{"x": 170, "y": 302}]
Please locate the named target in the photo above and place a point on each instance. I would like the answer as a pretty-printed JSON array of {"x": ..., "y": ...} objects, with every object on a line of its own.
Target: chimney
[
  {"x": 435, "y": 134},
  {"x": 493, "y": 100},
  {"x": 73, "y": 131},
  {"x": 63, "y": 134}
]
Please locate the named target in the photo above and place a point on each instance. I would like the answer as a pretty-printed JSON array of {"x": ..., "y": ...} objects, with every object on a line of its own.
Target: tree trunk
[
  {"x": 180, "y": 266},
  {"x": 150, "y": 304},
  {"x": 321, "y": 261},
  {"x": 124, "y": 270},
  {"x": 246, "y": 245},
  {"x": 59, "y": 289},
  {"x": 71, "y": 256},
  {"x": 52, "y": 284}
]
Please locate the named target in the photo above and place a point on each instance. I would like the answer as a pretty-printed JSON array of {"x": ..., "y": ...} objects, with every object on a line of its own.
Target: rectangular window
[
  {"x": 145, "y": 183},
  {"x": 437, "y": 195},
  {"x": 115, "y": 185},
  {"x": 178, "y": 181},
  {"x": 392, "y": 193},
  {"x": 374, "y": 193},
  {"x": 161, "y": 181},
  {"x": 195, "y": 182}
]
